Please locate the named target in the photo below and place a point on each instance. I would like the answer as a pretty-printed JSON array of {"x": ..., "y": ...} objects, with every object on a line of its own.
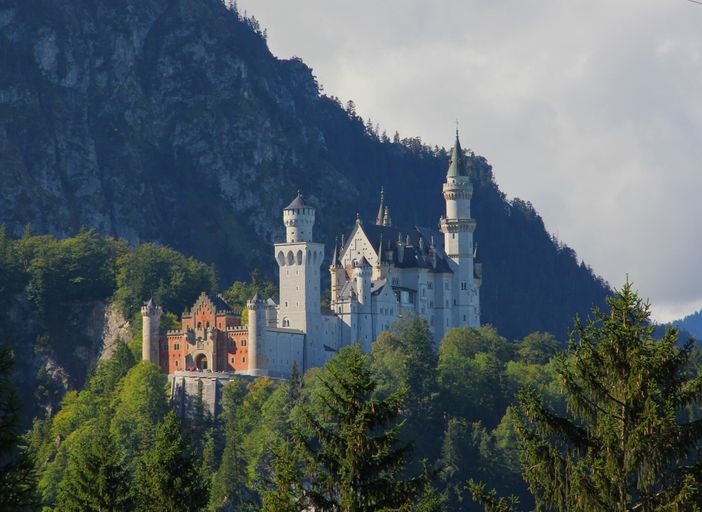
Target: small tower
[
  {"x": 257, "y": 322},
  {"x": 151, "y": 325},
  {"x": 299, "y": 261},
  {"x": 336, "y": 272},
  {"x": 298, "y": 218},
  {"x": 362, "y": 272},
  {"x": 458, "y": 228}
]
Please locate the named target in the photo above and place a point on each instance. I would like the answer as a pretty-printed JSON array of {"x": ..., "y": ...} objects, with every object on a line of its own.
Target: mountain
[
  {"x": 171, "y": 121},
  {"x": 692, "y": 323}
]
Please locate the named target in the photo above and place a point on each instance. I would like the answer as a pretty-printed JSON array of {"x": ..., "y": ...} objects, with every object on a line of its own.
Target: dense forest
[
  {"x": 171, "y": 122},
  {"x": 481, "y": 423}
]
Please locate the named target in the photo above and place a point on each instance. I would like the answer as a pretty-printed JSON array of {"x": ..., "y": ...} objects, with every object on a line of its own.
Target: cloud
[{"x": 590, "y": 110}]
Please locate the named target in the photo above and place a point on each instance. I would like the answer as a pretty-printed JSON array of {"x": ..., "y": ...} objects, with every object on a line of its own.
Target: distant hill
[
  {"x": 171, "y": 121},
  {"x": 691, "y": 323}
]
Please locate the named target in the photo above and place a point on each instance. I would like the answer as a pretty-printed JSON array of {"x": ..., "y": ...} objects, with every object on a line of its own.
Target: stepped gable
[{"x": 217, "y": 304}]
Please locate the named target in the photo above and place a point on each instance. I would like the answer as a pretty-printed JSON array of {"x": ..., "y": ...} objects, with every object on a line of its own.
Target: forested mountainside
[
  {"x": 691, "y": 323},
  {"x": 170, "y": 121}
]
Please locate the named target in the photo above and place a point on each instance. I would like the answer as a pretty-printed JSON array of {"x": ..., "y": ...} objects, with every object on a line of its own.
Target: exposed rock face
[
  {"x": 116, "y": 328},
  {"x": 146, "y": 119}
]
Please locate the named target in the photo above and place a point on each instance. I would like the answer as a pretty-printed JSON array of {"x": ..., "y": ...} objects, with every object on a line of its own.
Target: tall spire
[
  {"x": 386, "y": 217},
  {"x": 335, "y": 254},
  {"x": 457, "y": 164},
  {"x": 381, "y": 210}
]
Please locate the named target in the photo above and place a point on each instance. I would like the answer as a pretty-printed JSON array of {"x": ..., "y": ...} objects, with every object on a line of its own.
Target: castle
[{"x": 380, "y": 272}]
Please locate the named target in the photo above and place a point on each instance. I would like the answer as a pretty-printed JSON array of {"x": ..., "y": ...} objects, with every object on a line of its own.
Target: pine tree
[
  {"x": 284, "y": 492},
  {"x": 354, "y": 459},
  {"x": 623, "y": 448},
  {"x": 95, "y": 478},
  {"x": 229, "y": 485},
  {"x": 17, "y": 474},
  {"x": 167, "y": 478}
]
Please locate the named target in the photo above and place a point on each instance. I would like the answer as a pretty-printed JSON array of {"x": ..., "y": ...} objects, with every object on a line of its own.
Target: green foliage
[
  {"x": 161, "y": 273},
  {"x": 622, "y": 448},
  {"x": 353, "y": 459},
  {"x": 96, "y": 478},
  {"x": 240, "y": 292},
  {"x": 167, "y": 479},
  {"x": 17, "y": 475},
  {"x": 404, "y": 359},
  {"x": 230, "y": 484},
  {"x": 139, "y": 406},
  {"x": 285, "y": 491},
  {"x": 81, "y": 268}
]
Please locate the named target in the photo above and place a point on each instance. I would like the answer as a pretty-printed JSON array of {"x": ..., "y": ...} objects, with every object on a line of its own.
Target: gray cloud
[{"x": 590, "y": 110}]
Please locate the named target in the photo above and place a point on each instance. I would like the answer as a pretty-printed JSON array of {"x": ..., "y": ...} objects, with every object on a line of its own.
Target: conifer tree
[
  {"x": 17, "y": 474},
  {"x": 229, "y": 484},
  {"x": 95, "y": 478},
  {"x": 622, "y": 448},
  {"x": 350, "y": 439},
  {"x": 285, "y": 490},
  {"x": 167, "y": 478}
]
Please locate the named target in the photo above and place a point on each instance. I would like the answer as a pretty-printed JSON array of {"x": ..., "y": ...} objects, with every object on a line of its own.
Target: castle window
[
  {"x": 199, "y": 325},
  {"x": 232, "y": 360},
  {"x": 243, "y": 359},
  {"x": 464, "y": 318},
  {"x": 207, "y": 325},
  {"x": 176, "y": 363},
  {"x": 243, "y": 343}
]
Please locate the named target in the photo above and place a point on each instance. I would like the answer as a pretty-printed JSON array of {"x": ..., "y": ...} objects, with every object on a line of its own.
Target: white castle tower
[
  {"x": 299, "y": 260},
  {"x": 458, "y": 228},
  {"x": 151, "y": 325}
]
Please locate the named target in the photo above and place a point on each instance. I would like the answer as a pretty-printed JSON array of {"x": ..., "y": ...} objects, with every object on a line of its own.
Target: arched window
[
  {"x": 199, "y": 325},
  {"x": 291, "y": 258},
  {"x": 299, "y": 257},
  {"x": 286, "y": 322},
  {"x": 281, "y": 259}
]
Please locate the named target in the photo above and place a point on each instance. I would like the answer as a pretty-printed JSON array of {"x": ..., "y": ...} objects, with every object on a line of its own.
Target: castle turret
[
  {"x": 458, "y": 228},
  {"x": 151, "y": 325},
  {"x": 362, "y": 272},
  {"x": 257, "y": 323},
  {"x": 298, "y": 218},
  {"x": 337, "y": 275},
  {"x": 299, "y": 260}
]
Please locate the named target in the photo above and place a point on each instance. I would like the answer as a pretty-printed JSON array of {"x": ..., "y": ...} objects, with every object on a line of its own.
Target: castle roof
[
  {"x": 298, "y": 202},
  {"x": 457, "y": 164},
  {"x": 413, "y": 254},
  {"x": 218, "y": 303}
]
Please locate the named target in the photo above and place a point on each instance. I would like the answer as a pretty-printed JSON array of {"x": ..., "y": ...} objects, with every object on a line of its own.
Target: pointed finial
[
  {"x": 379, "y": 217},
  {"x": 456, "y": 127},
  {"x": 358, "y": 218}
]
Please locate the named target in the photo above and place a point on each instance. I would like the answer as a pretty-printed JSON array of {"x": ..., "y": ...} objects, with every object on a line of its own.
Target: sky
[{"x": 590, "y": 110}]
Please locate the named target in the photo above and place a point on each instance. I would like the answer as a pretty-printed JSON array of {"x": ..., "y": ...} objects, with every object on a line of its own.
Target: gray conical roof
[
  {"x": 298, "y": 202},
  {"x": 457, "y": 164}
]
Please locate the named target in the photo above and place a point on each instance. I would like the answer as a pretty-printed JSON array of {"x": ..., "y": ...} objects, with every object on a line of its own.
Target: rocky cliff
[{"x": 170, "y": 121}]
